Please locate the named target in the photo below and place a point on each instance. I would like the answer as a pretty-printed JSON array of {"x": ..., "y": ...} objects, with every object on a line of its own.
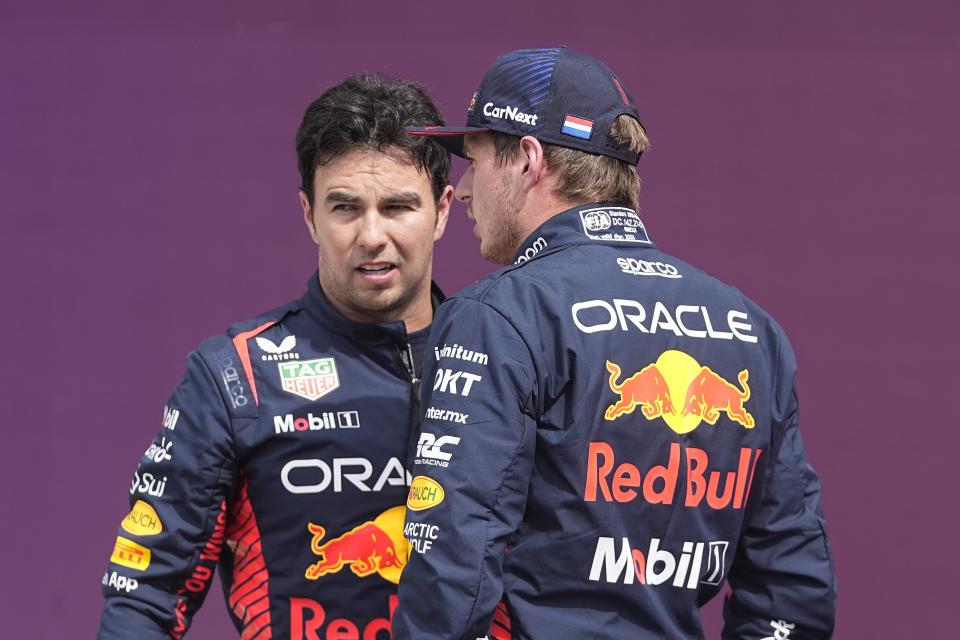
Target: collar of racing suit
[
  {"x": 320, "y": 309},
  {"x": 601, "y": 222}
]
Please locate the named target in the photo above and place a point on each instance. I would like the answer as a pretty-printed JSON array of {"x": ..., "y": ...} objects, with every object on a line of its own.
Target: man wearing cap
[{"x": 609, "y": 434}]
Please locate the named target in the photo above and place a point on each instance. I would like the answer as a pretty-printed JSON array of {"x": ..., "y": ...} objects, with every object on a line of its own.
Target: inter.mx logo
[{"x": 697, "y": 562}]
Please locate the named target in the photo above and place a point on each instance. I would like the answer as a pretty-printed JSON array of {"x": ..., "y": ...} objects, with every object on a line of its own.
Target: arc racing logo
[
  {"x": 700, "y": 562},
  {"x": 315, "y": 476},
  {"x": 159, "y": 451},
  {"x": 592, "y": 316},
  {"x": 637, "y": 267},
  {"x": 509, "y": 113},
  {"x": 430, "y": 449}
]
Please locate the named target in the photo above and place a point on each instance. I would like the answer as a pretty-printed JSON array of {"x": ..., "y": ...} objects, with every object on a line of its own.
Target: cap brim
[{"x": 450, "y": 138}]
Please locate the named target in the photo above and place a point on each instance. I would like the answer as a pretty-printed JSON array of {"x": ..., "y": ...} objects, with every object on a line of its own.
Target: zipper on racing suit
[{"x": 405, "y": 353}]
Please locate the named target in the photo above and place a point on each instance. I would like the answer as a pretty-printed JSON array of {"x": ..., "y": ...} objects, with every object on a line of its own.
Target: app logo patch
[
  {"x": 376, "y": 546},
  {"x": 674, "y": 375},
  {"x": 310, "y": 379}
]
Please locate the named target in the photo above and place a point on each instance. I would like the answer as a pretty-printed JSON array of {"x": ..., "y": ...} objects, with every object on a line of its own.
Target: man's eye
[{"x": 344, "y": 207}]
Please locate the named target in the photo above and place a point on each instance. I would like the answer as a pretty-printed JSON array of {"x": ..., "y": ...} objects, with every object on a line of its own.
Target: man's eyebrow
[
  {"x": 341, "y": 196},
  {"x": 409, "y": 198}
]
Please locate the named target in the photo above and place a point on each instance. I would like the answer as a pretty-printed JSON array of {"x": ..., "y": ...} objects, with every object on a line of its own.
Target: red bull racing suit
[
  {"x": 609, "y": 435},
  {"x": 281, "y": 458}
]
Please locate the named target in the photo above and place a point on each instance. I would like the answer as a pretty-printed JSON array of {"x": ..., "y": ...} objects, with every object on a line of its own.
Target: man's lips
[{"x": 377, "y": 272}]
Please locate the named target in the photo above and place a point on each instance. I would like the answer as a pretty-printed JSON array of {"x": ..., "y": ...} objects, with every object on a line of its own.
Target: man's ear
[
  {"x": 532, "y": 157},
  {"x": 443, "y": 212},
  {"x": 308, "y": 216}
]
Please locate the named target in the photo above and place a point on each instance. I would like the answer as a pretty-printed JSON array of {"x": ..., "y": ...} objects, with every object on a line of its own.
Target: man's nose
[
  {"x": 464, "y": 189},
  {"x": 372, "y": 234}
]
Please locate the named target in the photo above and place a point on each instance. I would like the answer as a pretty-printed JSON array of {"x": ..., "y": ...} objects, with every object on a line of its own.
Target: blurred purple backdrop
[{"x": 807, "y": 152}]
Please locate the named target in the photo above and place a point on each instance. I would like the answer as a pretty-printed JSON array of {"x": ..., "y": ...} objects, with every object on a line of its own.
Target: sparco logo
[
  {"x": 316, "y": 476},
  {"x": 231, "y": 378},
  {"x": 781, "y": 630},
  {"x": 637, "y": 267},
  {"x": 538, "y": 245},
  {"x": 509, "y": 113},
  {"x": 698, "y": 562}
]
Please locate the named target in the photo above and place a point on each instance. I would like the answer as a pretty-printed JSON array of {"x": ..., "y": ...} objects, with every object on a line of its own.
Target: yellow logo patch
[
  {"x": 142, "y": 520},
  {"x": 424, "y": 493},
  {"x": 128, "y": 553}
]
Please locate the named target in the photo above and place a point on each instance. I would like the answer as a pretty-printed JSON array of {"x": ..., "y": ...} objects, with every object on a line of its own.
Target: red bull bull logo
[
  {"x": 677, "y": 375},
  {"x": 376, "y": 546}
]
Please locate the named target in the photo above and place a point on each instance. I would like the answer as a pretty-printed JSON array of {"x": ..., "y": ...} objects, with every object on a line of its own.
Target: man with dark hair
[
  {"x": 610, "y": 433},
  {"x": 282, "y": 453}
]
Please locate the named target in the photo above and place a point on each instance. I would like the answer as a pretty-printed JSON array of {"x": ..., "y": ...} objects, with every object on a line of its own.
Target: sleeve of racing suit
[
  {"x": 167, "y": 547},
  {"x": 471, "y": 473},
  {"x": 782, "y": 577}
]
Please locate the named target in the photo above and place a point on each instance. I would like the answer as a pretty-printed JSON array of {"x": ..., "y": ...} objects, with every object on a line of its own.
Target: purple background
[{"x": 806, "y": 152}]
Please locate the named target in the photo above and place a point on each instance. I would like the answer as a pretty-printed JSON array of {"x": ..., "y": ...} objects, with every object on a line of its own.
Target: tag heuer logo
[{"x": 310, "y": 379}]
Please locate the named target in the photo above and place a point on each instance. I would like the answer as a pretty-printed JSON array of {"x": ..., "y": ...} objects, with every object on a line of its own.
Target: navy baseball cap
[{"x": 559, "y": 96}]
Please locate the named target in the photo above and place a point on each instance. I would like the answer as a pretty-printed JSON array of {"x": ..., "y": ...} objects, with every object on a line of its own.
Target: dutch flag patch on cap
[{"x": 577, "y": 127}]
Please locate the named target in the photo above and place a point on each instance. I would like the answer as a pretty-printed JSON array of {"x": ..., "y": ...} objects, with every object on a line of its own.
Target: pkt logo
[
  {"x": 677, "y": 375},
  {"x": 377, "y": 546},
  {"x": 446, "y": 381},
  {"x": 699, "y": 562}
]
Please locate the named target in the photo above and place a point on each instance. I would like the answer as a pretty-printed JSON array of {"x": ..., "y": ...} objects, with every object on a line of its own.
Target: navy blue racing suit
[
  {"x": 609, "y": 435},
  {"x": 282, "y": 458}
]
